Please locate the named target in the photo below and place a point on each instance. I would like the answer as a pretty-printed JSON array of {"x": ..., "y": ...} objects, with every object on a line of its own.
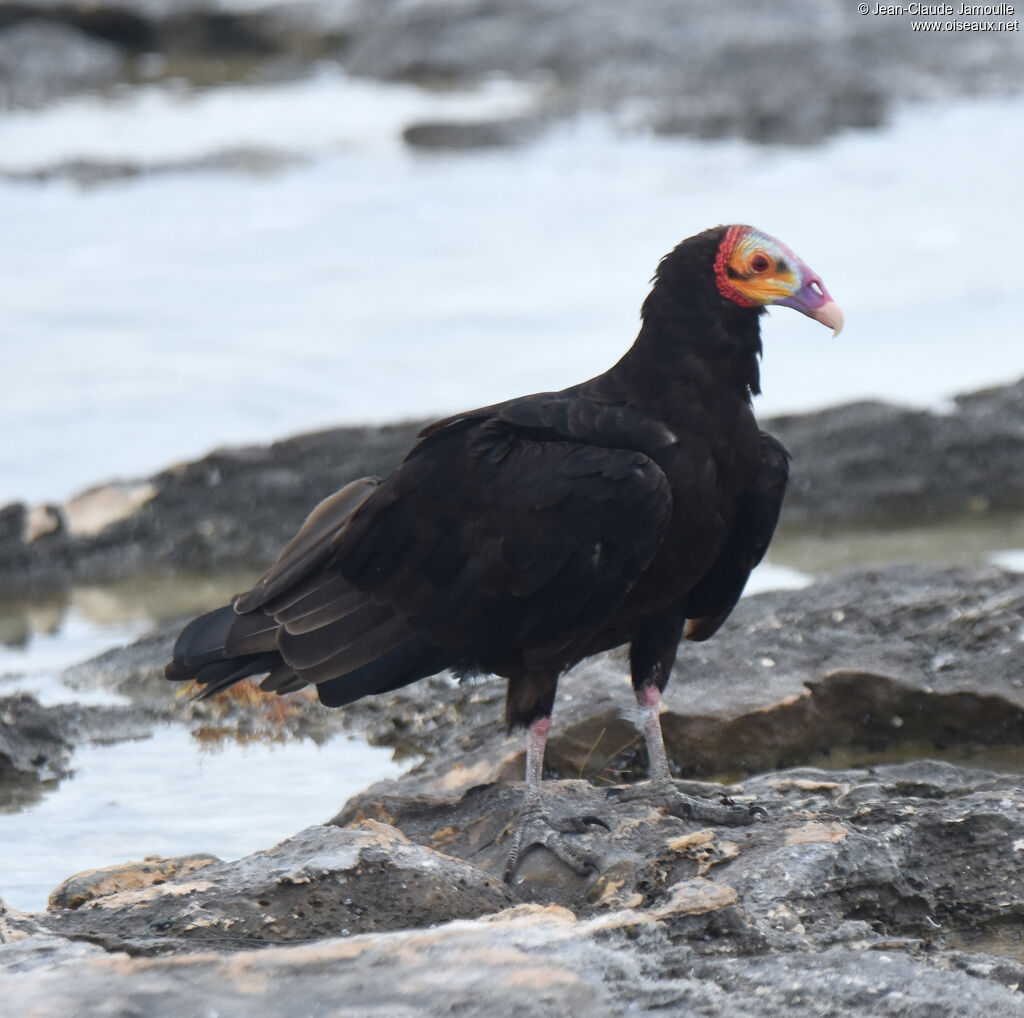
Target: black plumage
[{"x": 519, "y": 538}]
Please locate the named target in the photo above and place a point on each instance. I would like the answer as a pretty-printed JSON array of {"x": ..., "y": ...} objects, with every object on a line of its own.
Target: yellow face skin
[
  {"x": 760, "y": 269},
  {"x": 754, "y": 269}
]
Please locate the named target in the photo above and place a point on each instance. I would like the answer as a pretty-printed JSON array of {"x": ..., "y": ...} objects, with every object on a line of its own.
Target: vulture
[{"x": 520, "y": 538}]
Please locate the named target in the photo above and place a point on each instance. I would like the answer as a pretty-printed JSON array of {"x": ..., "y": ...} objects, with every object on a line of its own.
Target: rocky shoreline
[
  {"x": 877, "y": 715},
  {"x": 876, "y": 888},
  {"x": 864, "y": 464}
]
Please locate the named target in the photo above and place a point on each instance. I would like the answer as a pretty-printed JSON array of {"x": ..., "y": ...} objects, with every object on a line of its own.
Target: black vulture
[{"x": 520, "y": 538}]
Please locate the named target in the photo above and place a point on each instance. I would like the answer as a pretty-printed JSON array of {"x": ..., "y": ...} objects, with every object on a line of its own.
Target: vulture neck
[{"x": 708, "y": 349}]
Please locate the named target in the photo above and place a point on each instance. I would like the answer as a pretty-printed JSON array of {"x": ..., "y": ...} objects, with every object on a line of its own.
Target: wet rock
[
  {"x": 323, "y": 882},
  {"x": 130, "y": 876},
  {"x": 862, "y": 464},
  {"x": 36, "y": 742},
  {"x": 881, "y": 892}
]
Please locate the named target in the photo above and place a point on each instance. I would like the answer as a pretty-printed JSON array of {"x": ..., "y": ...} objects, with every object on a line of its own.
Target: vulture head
[{"x": 753, "y": 269}]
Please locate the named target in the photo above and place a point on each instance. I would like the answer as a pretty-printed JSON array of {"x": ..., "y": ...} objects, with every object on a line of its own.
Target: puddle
[
  {"x": 1000, "y": 759},
  {"x": 165, "y": 796},
  {"x": 168, "y": 794},
  {"x": 994, "y": 538},
  {"x": 1005, "y": 941}
]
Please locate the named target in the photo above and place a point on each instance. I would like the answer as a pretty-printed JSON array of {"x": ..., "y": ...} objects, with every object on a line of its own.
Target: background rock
[
  {"x": 653, "y": 64},
  {"x": 36, "y": 741},
  {"x": 862, "y": 464}
]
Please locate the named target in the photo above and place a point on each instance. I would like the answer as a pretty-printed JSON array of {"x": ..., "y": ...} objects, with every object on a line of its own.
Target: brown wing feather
[{"x": 312, "y": 545}]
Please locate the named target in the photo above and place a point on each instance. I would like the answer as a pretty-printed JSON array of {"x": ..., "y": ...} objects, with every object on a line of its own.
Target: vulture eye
[{"x": 760, "y": 263}]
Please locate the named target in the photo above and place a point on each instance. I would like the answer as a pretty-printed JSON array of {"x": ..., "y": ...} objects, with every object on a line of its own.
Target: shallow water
[
  {"x": 167, "y": 796},
  {"x": 173, "y": 312}
]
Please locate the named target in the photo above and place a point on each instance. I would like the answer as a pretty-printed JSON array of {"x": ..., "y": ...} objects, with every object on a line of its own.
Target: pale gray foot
[
  {"x": 532, "y": 826},
  {"x": 664, "y": 793}
]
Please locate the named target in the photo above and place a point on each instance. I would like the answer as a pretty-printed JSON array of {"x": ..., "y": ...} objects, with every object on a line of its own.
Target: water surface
[{"x": 172, "y": 312}]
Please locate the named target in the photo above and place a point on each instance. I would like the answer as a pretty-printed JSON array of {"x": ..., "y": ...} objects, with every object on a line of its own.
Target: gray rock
[
  {"x": 452, "y": 134},
  {"x": 785, "y": 73},
  {"x": 884, "y": 888},
  {"x": 92, "y": 173},
  {"x": 890, "y": 891},
  {"x": 43, "y": 59},
  {"x": 863, "y": 464},
  {"x": 323, "y": 882},
  {"x": 235, "y": 507},
  {"x": 36, "y": 742},
  {"x": 876, "y": 463}
]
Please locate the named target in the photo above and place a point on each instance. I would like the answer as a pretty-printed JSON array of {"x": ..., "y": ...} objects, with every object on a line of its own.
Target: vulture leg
[
  {"x": 649, "y": 699},
  {"x": 661, "y": 790},
  {"x": 652, "y": 654},
  {"x": 533, "y": 826}
]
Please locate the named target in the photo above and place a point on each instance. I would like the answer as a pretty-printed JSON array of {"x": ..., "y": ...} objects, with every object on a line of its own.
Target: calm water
[
  {"x": 166, "y": 796},
  {"x": 154, "y": 318}
]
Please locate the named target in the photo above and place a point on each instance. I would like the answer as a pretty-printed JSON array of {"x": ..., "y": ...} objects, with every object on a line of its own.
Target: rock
[
  {"x": 130, "y": 876},
  {"x": 872, "y": 463},
  {"x": 863, "y": 464},
  {"x": 199, "y": 520},
  {"x": 881, "y": 892},
  {"x": 453, "y": 134},
  {"x": 680, "y": 69},
  {"x": 91, "y": 173},
  {"x": 653, "y": 65},
  {"x": 36, "y": 742},
  {"x": 873, "y": 888},
  {"x": 322, "y": 882},
  {"x": 41, "y": 59}
]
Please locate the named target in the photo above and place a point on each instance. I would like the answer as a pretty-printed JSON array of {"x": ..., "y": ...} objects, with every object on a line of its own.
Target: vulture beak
[
  {"x": 830, "y": 314},
  {"x": 813, "y": 300}
]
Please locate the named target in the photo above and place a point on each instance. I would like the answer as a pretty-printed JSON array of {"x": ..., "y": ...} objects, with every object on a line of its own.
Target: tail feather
[
  {"x": 410, "y": 660},
  {"x": 221, "y": 675},
  {"x": 202, "y": 641}
]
